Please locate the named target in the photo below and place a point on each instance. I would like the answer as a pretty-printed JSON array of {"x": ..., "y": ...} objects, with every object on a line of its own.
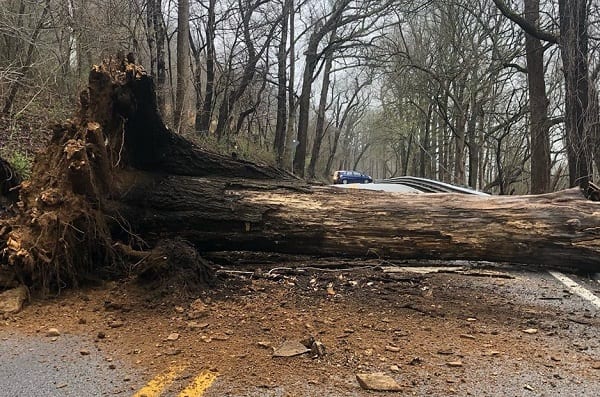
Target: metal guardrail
[{"x": 429, "y": 185}]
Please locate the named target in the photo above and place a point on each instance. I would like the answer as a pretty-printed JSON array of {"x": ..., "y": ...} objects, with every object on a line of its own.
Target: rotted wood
[{"x": 220, "y": 214}]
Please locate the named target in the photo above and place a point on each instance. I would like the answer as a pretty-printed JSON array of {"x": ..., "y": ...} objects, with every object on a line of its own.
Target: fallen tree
[{"x": 116, "y": 187}]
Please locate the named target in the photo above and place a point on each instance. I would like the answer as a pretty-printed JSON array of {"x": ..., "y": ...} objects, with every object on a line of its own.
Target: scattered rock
[
  {"x": 173, "y": 352},
  {"x": 394, "y": 368},
  {"x": 82, "y": 321},
  {"x": 116, "y": 324},
  {"x": 84, "y": 352},
  {"x": 391, "y": 348},
  {"x": 101, "y": 335},
  {"x": 416, "y": 361},
  {"x": 53, "y": 332},
  {"x": 196, "y": 325},
  {"x": 531, "y": 331},
  {"x": 596, "y": 365},
  {"x": 529, "y": 387},
  {"x": 12, "y": 301},
  {"x": 173, "y": 336},
  {"x": 112, "y": 366},
  {"x": 454, "y": 364},
  {"x": 264, "y": 345},
  {"x": 317, "y": 350},
  {"x": 198, "y": 309},
  {"x": 467, "y": 336},
  {"x": 377, "y": 382},
  {"x": 330, "y": 290},
  {"x": 290, "y": 349},
  {"x": 179, "y": 309}
]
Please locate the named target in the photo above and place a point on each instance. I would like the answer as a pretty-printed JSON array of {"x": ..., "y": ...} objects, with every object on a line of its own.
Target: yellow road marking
[
  {"x": 199, "y": 385},
  {"x": 156, "y": 386}
]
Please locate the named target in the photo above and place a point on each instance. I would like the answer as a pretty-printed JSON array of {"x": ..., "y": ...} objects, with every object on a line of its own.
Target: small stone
[
  {"x": 531, "y": 331},
  {"x": 173, "y": 352},
  {"x": 529, "y": 387},
  {"x": 112, "y": 366},
  {"x": 394, "y": 368},
  {"x": 317, "y": 349},
  {"x": 84, "y": 352},
  {"x": 467, "y": 336},
  {"x": 471, "y": 319},
  {"x": 179, "y": 309},
  {"x": 82, "y": 321},
  {"x": 198, "y": 309},
  {"x": 454, "y": 364},
  {"x": 377, "y": 382},
  {"x": 53, "y": 332},
  {"x": 116, "y": 324},
  {"x": 101, "y": 335},
  {"x": 173, "y": 336},
  {"x": 416, "y": 361},
  {"x": 196, "y": 325},
  {"x": 290, "y": 349},
  {"x": 264, "y": 345},
  {"x": 391, "y": 348},
  {"x": 596, "y": 365}
]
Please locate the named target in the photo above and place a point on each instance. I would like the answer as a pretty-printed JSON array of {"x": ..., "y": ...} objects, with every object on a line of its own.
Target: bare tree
[{"x": 183, "y": 61}]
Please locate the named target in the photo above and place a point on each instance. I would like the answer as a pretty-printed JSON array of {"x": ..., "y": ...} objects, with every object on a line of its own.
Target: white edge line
[{"x": 576, "y": 288}]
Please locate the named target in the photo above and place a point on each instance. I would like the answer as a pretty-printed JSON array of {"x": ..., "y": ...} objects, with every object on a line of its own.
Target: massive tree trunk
[{"x": 115, "y": 181}]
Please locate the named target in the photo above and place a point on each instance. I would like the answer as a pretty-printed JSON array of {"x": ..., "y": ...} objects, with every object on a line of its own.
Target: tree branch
[{"x": 528, "y": 27}]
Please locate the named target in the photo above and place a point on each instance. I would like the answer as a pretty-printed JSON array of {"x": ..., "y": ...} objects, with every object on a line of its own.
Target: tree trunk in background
[
  {"x": 204, "y": 118},
  {"x": 279, "y": 142},
  {"x": 320, "y": 125},
  {"x": 290, "y": 146},
  {"x": 310, "y": 65},
  {"x": 424, "y": 159},
  {"x": 183, "y": 62},
  {"x": 156, "y": 44},
  {"x": 574, "y": 53},
  {"x": 538, "y": 105}
]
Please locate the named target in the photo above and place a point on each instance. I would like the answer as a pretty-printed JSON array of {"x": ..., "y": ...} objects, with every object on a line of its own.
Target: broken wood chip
[{"x": 531, "y": 331}]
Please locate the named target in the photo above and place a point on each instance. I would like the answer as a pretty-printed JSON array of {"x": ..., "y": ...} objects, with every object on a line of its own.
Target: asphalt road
[
  {"x": 42, "y": 366},
  {"x": 69, "y": 366}
]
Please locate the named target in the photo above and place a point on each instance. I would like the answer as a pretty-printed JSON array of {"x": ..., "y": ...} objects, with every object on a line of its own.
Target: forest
[{"x": 497, "y": 95}]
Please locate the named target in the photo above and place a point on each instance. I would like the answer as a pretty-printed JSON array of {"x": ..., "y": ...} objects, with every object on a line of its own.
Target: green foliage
[{"x": 21, "y": 163}]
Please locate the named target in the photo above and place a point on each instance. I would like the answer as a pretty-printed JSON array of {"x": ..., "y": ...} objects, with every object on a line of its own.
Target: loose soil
[{"x": 440, "y": 334}]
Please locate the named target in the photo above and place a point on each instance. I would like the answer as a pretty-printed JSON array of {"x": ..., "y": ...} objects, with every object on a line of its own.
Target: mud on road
[{"x": 467, "y": 330}]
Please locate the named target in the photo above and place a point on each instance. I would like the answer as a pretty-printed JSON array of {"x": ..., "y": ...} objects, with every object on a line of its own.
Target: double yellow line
[{"x": 159, "y": 383}]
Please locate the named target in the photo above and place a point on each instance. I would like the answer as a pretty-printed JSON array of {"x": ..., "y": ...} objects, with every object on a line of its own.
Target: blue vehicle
[{"x": 344, "y": 177}]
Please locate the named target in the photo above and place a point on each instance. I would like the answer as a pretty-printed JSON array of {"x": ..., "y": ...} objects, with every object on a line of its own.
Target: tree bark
[
  {"x": 227, "y": 214},
  {"x": 574, "y": 52},
  {"x": 183, "y": 61},
  {"x": 282, "y": 111},
  {"x": 538, "y": 105}
]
